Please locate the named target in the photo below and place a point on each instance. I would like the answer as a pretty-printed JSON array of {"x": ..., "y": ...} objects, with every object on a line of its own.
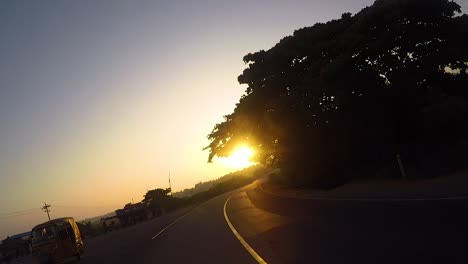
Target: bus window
[
  {"x": 43, "y": 234},
  {"x": 63, "y": 235},
  {"x": 70, "y": 231}
]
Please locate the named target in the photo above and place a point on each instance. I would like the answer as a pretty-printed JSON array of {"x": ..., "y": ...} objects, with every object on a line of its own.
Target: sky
[{"x": 100, "y": 100}]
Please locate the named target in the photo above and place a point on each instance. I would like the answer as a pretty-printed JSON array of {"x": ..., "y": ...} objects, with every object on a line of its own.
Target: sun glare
[{"x": 240, "y": 158}]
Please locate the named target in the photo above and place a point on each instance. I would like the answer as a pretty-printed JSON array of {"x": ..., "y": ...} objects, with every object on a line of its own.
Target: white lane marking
[
  {"x": 177, "y": 220},
  {"x": 239, "y": 237},
  {"x": 365, "y": 199}
]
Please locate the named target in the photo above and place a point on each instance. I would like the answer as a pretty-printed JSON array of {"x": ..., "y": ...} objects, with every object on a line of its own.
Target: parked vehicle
[{"x": 56, "y": 240}]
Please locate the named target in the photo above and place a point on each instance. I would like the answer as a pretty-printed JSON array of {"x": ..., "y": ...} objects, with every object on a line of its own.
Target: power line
[
  {"x": 85, "y": 206},
  {"x": 18, "y": 212},
  {"x": 12, "y": 213},
  {"x": 46, "y": 207}
]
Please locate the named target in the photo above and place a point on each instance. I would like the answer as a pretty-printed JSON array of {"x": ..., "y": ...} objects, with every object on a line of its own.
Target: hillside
[{"x": 205, "y": 186}]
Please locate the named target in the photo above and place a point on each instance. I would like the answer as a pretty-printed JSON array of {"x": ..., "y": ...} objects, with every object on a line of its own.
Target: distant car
[{"x": 56, "y": 240}]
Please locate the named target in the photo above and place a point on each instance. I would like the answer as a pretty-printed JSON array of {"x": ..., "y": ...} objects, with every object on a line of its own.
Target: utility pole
[
  {"x": 170, "y": 187},
  {"x": 46, "y": 209},
  {"x": 402, "y": 169}
]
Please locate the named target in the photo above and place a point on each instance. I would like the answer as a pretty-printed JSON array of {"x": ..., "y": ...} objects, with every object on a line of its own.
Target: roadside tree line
[{"x": 339, "y": 100}]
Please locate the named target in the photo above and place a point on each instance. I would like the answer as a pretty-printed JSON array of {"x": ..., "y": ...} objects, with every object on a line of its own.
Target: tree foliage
[
  {"x": 156, "y": 196},
  {"x": 341, "y": 98},
  {"x": 159, "y": 201}
]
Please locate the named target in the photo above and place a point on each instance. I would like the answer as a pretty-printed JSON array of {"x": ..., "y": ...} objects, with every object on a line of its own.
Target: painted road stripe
[
  {"x": 177, "y": 220},
  {"x": 239, "y": 237},
  {"x": 383, "y": 199}
]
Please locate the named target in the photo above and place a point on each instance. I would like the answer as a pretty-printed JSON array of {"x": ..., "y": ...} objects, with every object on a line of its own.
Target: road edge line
[{"x": 239, "y": 237}]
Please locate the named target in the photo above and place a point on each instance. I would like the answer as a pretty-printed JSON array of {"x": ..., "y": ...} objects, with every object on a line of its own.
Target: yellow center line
[{"x": 239, "y": 237}]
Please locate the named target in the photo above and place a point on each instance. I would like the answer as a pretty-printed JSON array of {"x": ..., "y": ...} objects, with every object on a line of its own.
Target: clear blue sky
[{"x": 100, "y": 99}]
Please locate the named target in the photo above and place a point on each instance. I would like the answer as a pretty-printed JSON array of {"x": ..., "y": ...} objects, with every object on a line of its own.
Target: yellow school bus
[{"x": 56, "y": 240}]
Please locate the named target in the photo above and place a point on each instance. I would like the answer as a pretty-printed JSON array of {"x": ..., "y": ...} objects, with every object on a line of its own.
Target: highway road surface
[
  {"x": 275, "y": 229},
  {"x": 201, "y": 236}
]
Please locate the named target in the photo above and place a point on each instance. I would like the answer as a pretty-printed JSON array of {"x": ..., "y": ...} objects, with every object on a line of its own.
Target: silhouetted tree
[
  {"x": 156, "y": 195},
  {"x": 160, "y": 201},
  {"x": 339, "y": 99}
]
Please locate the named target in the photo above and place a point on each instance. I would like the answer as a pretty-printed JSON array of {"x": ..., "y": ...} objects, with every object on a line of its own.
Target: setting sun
[{"x": 240, "y": 158}]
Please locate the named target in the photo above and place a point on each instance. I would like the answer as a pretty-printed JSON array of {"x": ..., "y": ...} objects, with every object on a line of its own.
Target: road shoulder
[{"x": 445, "y": 187}]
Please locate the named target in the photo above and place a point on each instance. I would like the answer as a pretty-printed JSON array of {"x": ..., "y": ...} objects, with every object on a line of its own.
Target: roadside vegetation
[
  {"x": 381, "y": 93},
  {"x": 160, "y": 201}
]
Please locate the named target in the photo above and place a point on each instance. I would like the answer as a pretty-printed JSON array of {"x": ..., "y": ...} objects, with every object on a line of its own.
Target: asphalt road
[
  {"x": 202, "y": 236},
  {"x": 288, "y": 230},
  {"x": 343, "y": 231}
]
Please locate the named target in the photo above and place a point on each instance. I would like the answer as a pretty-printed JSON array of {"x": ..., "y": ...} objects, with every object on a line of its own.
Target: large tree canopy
[{"x": 343, "y": 97}]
